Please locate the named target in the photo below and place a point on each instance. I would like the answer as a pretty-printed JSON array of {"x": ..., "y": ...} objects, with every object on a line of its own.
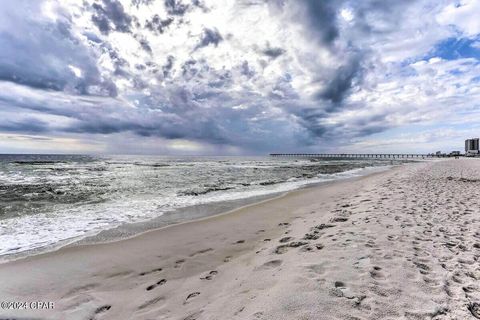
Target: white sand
[{"x": 403, "y": 244}]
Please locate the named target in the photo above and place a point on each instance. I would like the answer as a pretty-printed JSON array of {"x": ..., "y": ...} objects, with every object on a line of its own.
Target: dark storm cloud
[
  {"x": 200, "y": 4},
  {"x": 29, "y": 125},
  {"x": 338, "y": 87},
  {"x": 190, "y": 69},
  {"x": 101, "y": 21},
  {"x": 321, "y": 19},
  {"x": 176, "y": 7},
  {"x": 361, "y": 126},
  {"x": 138, "y": 3},
  {"x": 273, "y": 52},
  {"x": 144, "y": 44},
  {"x": 48, "y": 70},
  {"x": 167, "y": 68},
  {"x": 92, "y": 37},
  {"x": 387, "y": 14},
  {"x": 180, "y": 108},
  {"x": 183, "y": 113},
  {"x": 111, "y": 16},
  {"x": 222, "y": 80},
  {"x": 167, "y": 127},
  {"x": 156, "y": 24},
  {"x": 39, "y": 54},
  {"x": 313, "y": 120},
  {"x": 209, "y": 36},
  {"x": 321, "y": 24},
  {"x": 116, "y": 58},
  {"x": 309, "y": 118},
  {"x": 246, "y": 70}
]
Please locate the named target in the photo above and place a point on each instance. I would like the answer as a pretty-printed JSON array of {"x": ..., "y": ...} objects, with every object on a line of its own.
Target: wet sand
[{"x": 402, "y": 244}]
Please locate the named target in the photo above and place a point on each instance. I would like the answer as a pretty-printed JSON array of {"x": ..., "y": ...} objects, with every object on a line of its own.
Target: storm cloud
[
  {"x": 273, "y": 52},
  {"x": 244, "y": 76},
  {"x": 208, "y": 37},
  {"x": 156, "y": 24},
  {"x": 46, "y": 54},
  {"x": 110, "y": 15},
  {"x": 176, "y": 7}
]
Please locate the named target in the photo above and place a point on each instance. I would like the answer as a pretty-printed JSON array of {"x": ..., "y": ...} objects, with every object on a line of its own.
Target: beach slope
[{"x": 401, "y": 244}]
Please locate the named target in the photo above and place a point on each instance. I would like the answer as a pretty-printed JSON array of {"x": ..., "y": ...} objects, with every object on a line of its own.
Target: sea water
[{"x": 50, "y": 199}]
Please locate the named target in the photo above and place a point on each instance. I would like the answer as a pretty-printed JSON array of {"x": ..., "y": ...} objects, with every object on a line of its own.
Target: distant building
[
  {"x": 455, "y": 153},
  {"x": 471, "y": 147}
]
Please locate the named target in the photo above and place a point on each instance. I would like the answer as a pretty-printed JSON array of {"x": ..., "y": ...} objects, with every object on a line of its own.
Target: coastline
[
  {"x": 366, "y": 248},
  {"x": 189, "y": 214}
]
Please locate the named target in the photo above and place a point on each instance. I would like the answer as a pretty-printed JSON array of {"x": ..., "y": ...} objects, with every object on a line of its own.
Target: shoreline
[
  {"x": 403, "y": 243},
  {"x": 127, "y": 231},
  {"x": 80, "y": 279}
]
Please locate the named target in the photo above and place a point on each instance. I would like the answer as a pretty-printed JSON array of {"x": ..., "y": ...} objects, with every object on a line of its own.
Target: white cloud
[
  {"x": 77, "y": 71},
  {"x": 463, "y": 16},
  {"x": 347, "y": 14},
  {"x": 280, "y": 74}
]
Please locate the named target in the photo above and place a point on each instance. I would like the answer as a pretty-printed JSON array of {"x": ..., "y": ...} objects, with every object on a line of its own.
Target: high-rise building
[{"x": 472, "y": 147}]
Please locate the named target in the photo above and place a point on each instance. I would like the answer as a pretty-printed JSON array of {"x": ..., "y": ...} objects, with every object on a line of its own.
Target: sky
[{"x": 238, "y": 77}]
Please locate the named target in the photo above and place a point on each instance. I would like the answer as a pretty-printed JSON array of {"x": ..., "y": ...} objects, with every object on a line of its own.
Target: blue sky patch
[{"x": 457, "y": 48}]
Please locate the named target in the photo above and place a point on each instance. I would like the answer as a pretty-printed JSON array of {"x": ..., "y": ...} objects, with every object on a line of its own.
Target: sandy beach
[{"x": 401, "y": 244}]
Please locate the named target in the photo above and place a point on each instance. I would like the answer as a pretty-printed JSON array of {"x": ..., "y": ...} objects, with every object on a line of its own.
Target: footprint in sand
[
  {"x": 81, "y": 289},
  {"x": 101, "y": 310},
  {"x": 474, "y": 309},
  {"x": 377, "y": 274},
  {"x": 210, "y": 275},
  {"x": 323, "y": 226},
  {"x": 311, "y": 236},
  {"x": 422, "y": 267},
  {"x": 340, "y": 290},
  {"x": 150, "y": 303},
  {"x": 239, "y": 310},
  {"x": 281, "y": 249},
  {"x": 392, "y": 237},
  {"x": 194, "y": 316},
  {"x": 371, "y": 244},
  {"x": 271, "y": 264},
  {"x": 179, "y": 263},
  {"x": 150, "y": 272},
  {"x": 158, "y": 283},
  {"x": 192, "y": 295},
  {"x": 316, "y": 269},
  {"x": 284, "y": 247},
  {"x": 309, "y": 248},
  {"x": 285, "y": 239},
  {"x": 201, "y": 252},
  {"x": 119, "y": 274}
]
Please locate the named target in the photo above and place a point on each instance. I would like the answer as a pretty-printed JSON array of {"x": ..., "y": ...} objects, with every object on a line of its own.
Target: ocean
[{"x": 52, "y": 200}]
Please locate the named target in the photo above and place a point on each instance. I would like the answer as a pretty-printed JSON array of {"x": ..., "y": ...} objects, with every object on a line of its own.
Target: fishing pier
[{"x": 359, "y": 155}]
